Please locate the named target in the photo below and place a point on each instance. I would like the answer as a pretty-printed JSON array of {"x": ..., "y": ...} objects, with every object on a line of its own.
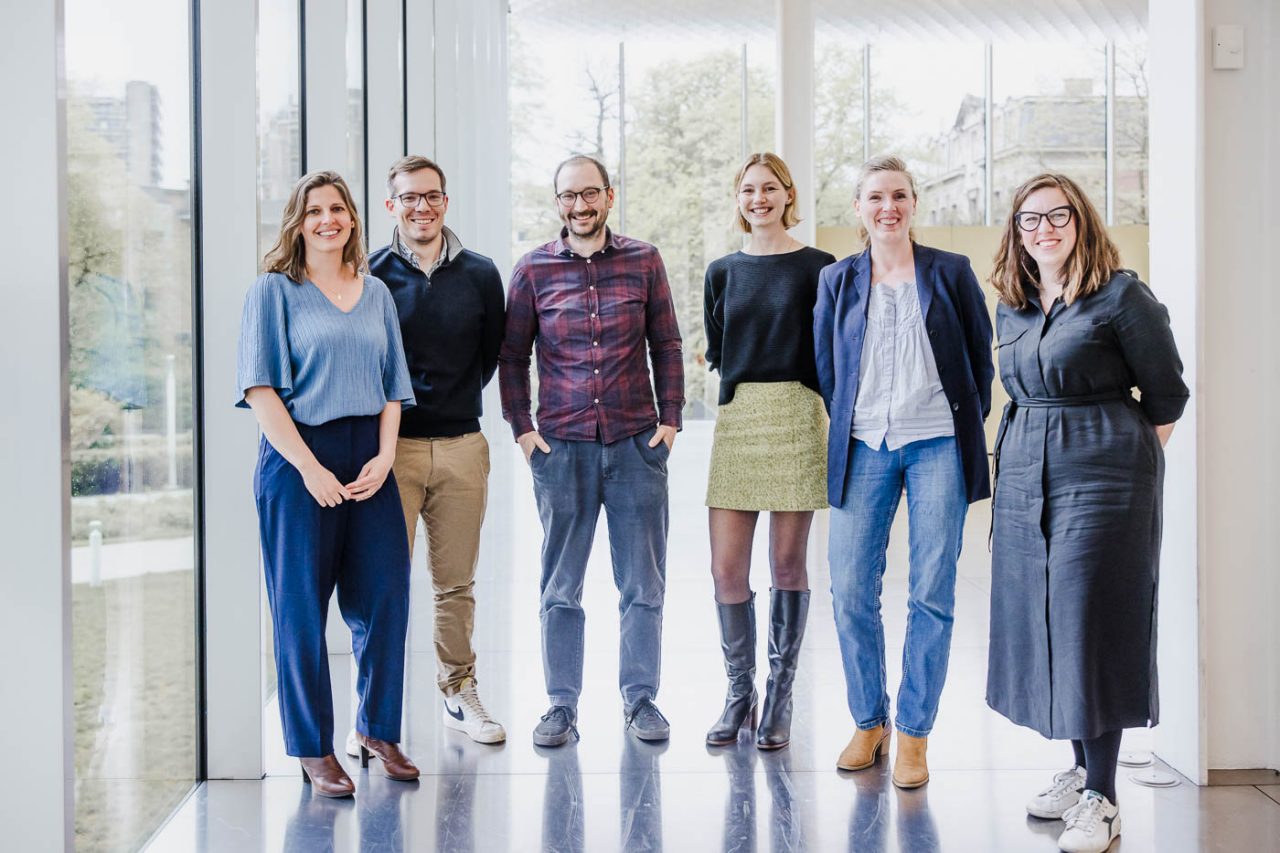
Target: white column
[
  {"x": 229, "y": 211},
  {"x": 794, "y": 110},
  {"x": 37, "y": 807},
  {"x": 1176, "y": 39}
]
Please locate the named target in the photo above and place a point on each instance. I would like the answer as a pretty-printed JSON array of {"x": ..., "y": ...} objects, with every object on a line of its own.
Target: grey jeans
[{"x": 629, "y": 479}]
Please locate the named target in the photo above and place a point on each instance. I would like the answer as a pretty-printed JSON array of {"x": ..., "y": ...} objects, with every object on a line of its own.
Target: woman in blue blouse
[
  {"x": 903, "y": 341},
  {"x": 322, "y": 366}
]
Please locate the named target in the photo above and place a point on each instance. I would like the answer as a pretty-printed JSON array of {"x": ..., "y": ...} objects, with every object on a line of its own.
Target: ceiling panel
[{"x": 862, "y": 20}]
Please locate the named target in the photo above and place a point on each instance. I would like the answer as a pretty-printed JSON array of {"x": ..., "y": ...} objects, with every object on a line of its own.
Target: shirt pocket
[{"x": 1007, "y": 358}]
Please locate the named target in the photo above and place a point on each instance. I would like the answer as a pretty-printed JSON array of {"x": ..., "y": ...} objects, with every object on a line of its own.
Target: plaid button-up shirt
[{"x": 591, "y": 319}]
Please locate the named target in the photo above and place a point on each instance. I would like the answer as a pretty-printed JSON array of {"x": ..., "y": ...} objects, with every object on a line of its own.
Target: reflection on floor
[{"x": 611, "y": 792}]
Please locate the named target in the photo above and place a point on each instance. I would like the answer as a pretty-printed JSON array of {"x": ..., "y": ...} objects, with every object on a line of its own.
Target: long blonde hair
[
  {"x": 1092, "y": 262},
  {"x": 883, "y": 163},
  {"x": 289, "y": 255},
  {"x": 772, "y": 162}
]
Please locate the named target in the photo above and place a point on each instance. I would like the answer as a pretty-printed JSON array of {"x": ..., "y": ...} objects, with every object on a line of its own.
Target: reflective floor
[{"x": 612, "y": 792}]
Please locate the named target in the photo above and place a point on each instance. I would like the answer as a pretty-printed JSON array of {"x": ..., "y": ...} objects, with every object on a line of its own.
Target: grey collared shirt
[
  {"x": 900, "y": 397},
  {"x": 452, "y": 246}
]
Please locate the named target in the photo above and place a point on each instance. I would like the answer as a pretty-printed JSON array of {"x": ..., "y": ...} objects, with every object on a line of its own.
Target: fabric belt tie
[{"x": 1012, "y": 407}]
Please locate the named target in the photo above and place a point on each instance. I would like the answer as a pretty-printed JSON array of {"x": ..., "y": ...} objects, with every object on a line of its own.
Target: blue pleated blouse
[{"x": 324, "y": 363}]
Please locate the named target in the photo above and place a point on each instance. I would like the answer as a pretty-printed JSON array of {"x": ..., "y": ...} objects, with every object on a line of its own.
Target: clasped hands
[{"x": 329, "y": 491}]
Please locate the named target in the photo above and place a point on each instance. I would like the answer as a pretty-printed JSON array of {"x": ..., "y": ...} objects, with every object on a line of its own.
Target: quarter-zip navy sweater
[{"x": 452, "y": 328}]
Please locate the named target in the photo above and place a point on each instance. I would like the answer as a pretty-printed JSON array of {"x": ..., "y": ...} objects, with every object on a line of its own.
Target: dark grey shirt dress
[{"x": 1077, "y": 510}]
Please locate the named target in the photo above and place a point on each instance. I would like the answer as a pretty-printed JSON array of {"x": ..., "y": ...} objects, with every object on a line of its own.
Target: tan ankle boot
[
  {"x": 863, "y": 748},
  {"x": 909, "y": 768}
]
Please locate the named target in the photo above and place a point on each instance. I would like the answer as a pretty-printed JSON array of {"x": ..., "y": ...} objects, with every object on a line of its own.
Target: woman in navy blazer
[{"x": 904, "y": 416}]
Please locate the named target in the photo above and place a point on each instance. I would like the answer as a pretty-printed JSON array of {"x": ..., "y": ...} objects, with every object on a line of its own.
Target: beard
[{"x": 585, "y": 227}]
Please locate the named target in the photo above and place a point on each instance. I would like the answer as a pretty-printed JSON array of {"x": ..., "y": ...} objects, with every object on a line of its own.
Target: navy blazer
[{"x": 959, "y": 327}]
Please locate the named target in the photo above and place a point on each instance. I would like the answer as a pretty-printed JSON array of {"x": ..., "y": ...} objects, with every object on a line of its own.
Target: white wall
[{"x": 1239, "y": 463}]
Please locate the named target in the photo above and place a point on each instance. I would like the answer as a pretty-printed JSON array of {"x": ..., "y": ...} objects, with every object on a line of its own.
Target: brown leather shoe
[
  {"x": 326, "y": 777},
  {"x": 395, "y": 764},
  {"x": 909, "y": 768},
  {"x": 864, "y": 747}
]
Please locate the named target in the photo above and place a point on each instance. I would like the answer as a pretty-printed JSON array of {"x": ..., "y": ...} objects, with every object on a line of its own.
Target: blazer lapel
[
  {"x": 862, "y": 278},
  {"x": 924, "y": 281}
]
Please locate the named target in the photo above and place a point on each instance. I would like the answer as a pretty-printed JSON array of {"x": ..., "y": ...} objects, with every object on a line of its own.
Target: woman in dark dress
[
  {"x": 1077, "y": 506},
  {"x": 769, "y": 450}
]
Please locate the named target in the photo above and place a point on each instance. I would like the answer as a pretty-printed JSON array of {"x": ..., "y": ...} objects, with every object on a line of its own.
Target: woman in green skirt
[{"x": 769, "y": 453}]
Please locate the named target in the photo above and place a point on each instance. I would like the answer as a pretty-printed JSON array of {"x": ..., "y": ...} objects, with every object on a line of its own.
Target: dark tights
[
  {"x": 1099, "y": 756},
  {"x": 732, "y": 533}
]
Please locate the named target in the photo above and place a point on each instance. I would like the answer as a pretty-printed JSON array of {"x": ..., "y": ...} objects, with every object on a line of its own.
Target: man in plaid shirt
[{"x": 594, "y": 302}]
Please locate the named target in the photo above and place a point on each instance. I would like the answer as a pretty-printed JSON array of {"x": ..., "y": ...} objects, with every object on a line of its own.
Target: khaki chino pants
[{"x": 445, "y": 482}]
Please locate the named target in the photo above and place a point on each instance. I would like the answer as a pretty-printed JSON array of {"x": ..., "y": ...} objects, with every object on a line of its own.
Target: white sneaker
[
  {"x": 1092, "y": 824},
  {"x": 353, "y": 745},
  {"x": 464, "y": 712},
  {"x": 1053, "y": 801}
]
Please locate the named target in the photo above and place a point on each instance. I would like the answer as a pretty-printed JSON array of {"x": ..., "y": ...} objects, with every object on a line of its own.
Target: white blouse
[{"x": 900, "y": 397}]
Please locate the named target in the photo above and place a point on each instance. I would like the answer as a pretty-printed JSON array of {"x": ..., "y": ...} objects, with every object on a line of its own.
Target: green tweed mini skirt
[{"x": 769, "y": 453}]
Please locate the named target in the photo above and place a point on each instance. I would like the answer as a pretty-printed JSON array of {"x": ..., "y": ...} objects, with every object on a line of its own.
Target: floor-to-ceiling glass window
[
  {"x": 671, "y": 105},
  {"x": 132, "y": 464},
  {"x": 1049, "y": 114},
  {"x": 1131, "y": 140},
  {"x": 354, "y": 170}
]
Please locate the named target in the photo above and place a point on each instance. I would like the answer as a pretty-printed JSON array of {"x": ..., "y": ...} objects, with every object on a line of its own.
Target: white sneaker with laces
[
  {"x": 1053, "y": 801},
  {"x": 1092, "y": 824},
  {"x": 464, "y": 712}
]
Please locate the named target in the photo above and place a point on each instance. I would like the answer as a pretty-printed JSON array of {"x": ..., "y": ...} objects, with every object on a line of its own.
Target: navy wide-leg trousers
[{"x": 358, "y": 547}]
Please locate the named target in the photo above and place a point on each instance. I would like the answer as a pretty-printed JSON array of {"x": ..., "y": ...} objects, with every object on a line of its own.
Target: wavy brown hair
[
  {"x": 289, "y": 254},
  {"x": 1091, "y": 264},
  {"x": 883, "y": 163},
  {"x": 774, "y": 164}
]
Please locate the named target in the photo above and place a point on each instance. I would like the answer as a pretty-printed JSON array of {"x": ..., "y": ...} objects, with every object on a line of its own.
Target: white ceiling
[{"x": 864, "y": 20}]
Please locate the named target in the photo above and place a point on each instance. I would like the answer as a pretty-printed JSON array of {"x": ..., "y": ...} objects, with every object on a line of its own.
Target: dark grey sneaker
[
  {"x": 647, "y": 722},
  {"x": 556, "y": 727}
]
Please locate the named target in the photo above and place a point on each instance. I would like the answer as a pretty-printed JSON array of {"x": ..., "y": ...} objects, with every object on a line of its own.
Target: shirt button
[
  {"x": 955, "y": 407},
  {"x": 589, "y": 261},
  {"x": 595, "y": 343},
  {"x": 593, "y": 313},
  {"x": 597, "y": 370},
  {"x": 591, "y": 287},
  {"x": 597, "y": 400}
]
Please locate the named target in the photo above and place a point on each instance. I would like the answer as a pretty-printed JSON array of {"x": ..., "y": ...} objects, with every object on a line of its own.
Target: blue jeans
[
  {"x": 930, "y": 472},
  {"x": 629, "y": 479}
]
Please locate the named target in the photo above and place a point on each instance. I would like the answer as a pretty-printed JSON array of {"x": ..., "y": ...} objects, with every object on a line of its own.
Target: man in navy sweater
[{"x": 450, "y": 302}]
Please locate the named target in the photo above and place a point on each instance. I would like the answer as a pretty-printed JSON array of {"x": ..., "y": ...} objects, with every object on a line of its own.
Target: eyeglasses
[
  {"x": 590, "y": 195},
  {"x": 435, "y": 198},
  {"x": 1029, "y": 220}
]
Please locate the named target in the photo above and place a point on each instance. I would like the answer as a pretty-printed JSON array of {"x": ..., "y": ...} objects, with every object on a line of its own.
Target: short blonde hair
[
  {"x": 883, "y": 163},
  {"x": 774, "y": 164},
  {"x": 289, "y": 254},
  {"x": 1093, "y": 260}
]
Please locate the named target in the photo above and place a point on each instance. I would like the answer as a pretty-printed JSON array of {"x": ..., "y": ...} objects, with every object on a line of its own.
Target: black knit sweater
[
  {"x": 758, "y": 314},
  {"x": 452, "y": 328}
]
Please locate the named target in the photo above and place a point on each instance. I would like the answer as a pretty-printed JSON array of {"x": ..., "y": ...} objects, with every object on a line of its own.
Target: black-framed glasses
[
  {"x": 1029, "y": 220},
  {"x": 590, "y": 195},
  {"x": 435, "y": 198}
]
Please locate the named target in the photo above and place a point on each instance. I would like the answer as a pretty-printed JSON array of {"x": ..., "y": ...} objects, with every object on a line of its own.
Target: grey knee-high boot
[
  {"x": 788, "y": 612},
  {"x": 738, "y": 642}
]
